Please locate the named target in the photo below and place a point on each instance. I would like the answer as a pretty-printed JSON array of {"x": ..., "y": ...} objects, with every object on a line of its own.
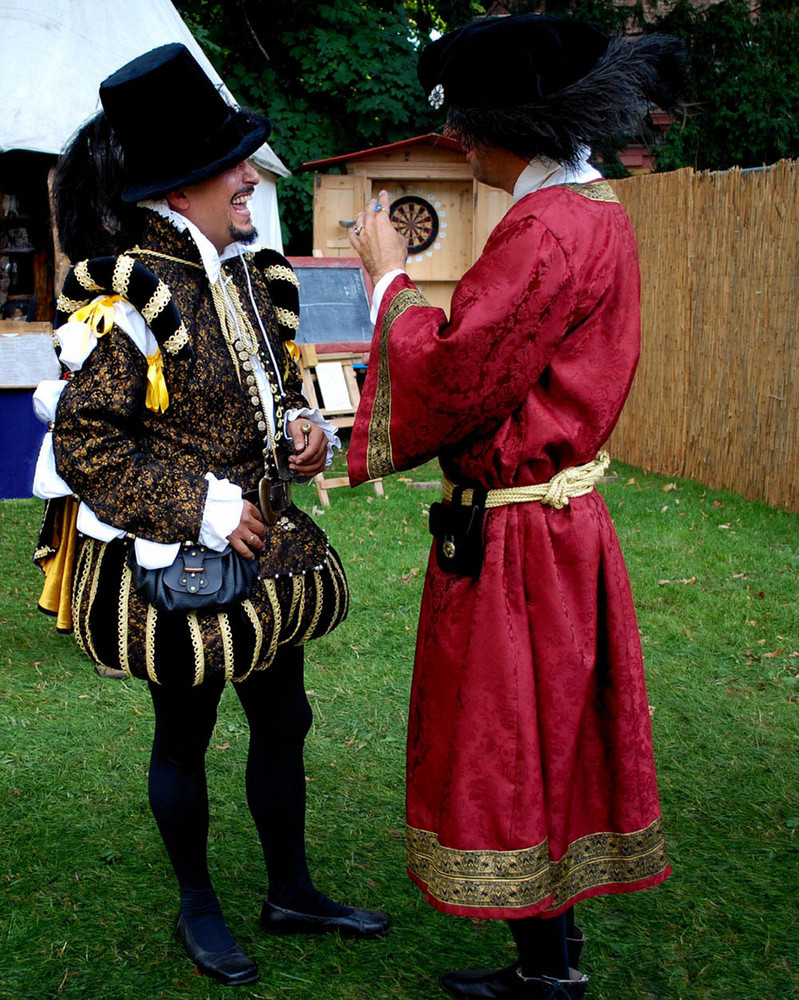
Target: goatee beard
[{"x": 245, "y": 236}]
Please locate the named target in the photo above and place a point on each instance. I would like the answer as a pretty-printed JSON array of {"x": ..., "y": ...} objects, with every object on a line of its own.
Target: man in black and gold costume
[{"x": 183, "y": 420}]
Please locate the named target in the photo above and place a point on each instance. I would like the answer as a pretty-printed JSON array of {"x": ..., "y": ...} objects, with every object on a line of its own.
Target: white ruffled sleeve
[
  {"x": 222, "y": 514},
  {"x": 47, "y": 484}
]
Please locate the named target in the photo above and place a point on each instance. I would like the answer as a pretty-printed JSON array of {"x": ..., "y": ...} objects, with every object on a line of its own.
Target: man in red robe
[{"x": 531, "y": 783}]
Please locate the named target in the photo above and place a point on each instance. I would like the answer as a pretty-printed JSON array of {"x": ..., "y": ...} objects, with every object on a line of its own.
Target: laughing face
[{"x": 219, "y": 206}]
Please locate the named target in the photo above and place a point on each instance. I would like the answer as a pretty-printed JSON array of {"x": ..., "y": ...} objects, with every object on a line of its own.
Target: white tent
[{"x": 54, "y": 55}]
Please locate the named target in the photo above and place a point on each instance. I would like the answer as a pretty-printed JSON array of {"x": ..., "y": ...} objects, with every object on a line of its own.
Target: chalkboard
[{"x": 333, "y": 306}]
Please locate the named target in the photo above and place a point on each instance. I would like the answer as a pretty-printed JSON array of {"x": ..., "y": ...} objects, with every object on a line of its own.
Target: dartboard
[{"x": 417, "y": 220}]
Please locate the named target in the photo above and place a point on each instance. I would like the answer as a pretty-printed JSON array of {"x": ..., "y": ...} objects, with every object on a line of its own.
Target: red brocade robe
[{"x": 530, "y": 775}]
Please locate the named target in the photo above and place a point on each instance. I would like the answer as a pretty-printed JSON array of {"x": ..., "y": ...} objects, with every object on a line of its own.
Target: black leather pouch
[
  {"x": 199, "y": 580},
  {"x": 458, "y": 531}
]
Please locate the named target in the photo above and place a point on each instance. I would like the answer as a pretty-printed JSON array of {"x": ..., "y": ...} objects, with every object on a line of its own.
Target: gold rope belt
[{"x": 576, "y": 481}]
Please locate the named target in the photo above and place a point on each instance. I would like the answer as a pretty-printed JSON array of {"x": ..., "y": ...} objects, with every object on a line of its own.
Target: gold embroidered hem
[{"x": 515, "y": 880}]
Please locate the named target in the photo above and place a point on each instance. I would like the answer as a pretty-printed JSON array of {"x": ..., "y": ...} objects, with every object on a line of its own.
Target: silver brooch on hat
[{"x": 436, "y": 98}]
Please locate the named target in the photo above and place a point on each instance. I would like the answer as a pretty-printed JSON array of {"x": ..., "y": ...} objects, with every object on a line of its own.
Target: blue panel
[{"x": 20, "y": 437}]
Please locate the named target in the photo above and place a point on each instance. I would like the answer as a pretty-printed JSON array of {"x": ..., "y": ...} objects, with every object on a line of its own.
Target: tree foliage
[
  {"x": 745, "y": 84},
  {"x": 336, "y": 76}
]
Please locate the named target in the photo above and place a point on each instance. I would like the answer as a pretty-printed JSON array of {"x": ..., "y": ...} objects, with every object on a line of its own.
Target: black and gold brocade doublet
[{"x": 144, "y": 472}]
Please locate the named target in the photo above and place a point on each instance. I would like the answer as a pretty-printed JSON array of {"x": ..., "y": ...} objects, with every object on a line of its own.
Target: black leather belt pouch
[{"x": 458, "y": 531}]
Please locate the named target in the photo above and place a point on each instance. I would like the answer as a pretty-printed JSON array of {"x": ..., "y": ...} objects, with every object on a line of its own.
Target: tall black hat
[{"x": 173, "y": 125}]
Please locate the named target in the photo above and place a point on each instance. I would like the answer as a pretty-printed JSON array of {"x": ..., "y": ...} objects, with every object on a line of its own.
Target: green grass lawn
[{"x": 88, "y": 901}]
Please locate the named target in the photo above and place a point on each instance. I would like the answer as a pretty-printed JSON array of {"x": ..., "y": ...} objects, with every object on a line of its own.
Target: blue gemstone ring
[{"x": 378, "y": 207}]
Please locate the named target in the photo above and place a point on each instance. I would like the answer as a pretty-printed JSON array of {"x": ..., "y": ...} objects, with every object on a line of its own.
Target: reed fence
[{"x": 716, "y": 396}]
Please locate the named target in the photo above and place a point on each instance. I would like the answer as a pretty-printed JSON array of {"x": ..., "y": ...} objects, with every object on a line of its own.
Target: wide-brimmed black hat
[
  {"x": 547, "y": 86},
  {"x": 173, "y": 125},
  {"x": 508, "y": 61}
]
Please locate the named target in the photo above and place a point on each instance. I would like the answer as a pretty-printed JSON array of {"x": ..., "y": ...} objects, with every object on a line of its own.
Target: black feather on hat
[
  {"x": 173, "y": 125},
  {"x": 544, "y": 86}
]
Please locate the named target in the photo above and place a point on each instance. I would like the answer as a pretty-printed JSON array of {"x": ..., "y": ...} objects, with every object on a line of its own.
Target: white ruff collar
[
  {"x": 211, "y": 259},
  {"x": 541, "y": 173}
]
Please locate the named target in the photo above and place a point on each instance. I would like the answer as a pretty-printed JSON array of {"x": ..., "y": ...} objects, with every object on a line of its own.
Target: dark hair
[
  {"x": 91, "y": 218},
  {"x": 611, "y": 100}
]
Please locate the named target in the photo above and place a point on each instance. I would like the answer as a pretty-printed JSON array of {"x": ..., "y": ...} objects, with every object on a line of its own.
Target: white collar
[
  {"x": 211, "y": 259},
  {"x": 542, "y": 172}
]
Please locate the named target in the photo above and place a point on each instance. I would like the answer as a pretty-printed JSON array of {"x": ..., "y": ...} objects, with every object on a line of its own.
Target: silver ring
[
  {"x": 357, "y": 230},
  {"x": 378, "y": 207}
]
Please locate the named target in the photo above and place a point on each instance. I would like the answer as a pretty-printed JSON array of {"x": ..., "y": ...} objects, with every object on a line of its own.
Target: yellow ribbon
[
  {"x": 294, "y": 355},
  {"x": 99, "y": 315},
  {"x": 157, "y": 395}
]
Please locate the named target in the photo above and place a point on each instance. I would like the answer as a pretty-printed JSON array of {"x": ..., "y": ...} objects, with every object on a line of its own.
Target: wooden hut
[{"x": 445, "y": 214}]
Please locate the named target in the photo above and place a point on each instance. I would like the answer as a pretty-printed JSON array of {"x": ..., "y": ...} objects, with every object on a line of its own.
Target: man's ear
[{"x": 177, "y": 200}]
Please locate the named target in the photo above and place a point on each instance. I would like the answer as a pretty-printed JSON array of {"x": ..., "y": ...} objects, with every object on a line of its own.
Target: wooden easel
[{"x": 338, "y": 386}]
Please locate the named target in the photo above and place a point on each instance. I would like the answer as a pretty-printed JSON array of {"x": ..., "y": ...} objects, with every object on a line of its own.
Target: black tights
[
  {"x": 279, "y": 718},
  {"x": 542, "y": 944}
]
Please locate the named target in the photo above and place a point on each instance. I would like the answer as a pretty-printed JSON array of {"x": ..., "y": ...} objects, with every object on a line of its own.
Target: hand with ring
[
  {"x": 377, "y": 242},
  {"x": 247, "y": 539},
  {"x": 310, "y": 448}
]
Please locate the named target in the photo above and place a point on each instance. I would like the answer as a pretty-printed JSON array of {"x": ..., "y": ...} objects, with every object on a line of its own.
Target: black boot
[
  {"x": 575, "y": 942},
  {"x": 509, "y": 984}
]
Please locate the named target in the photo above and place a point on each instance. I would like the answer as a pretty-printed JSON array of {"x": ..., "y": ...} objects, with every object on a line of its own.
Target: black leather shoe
[
  {"x": 509, "y": 984},
  {"x": 231, "y": 966},
  {"x": 354, "y": 923}
]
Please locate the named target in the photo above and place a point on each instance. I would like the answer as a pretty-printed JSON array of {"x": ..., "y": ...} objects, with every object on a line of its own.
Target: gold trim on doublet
[
  {"x": 379, "y": 458},
  {"x": 196, "y": 636},
  {"x": 124, "y": 618},
  {"x": 518, "y": 879},
  {"x": 149, "y": 643},
  {"x": 595, "y": 191}
]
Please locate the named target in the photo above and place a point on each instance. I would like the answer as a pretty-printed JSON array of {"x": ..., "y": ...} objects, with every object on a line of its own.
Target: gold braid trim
[
  {"x": 297, "y": 605},
  {"x": 277, "y": 619},
  {"x": 280, "y": 272},
  {"x": 67, "y": 305},
  {"x": 157, "y": 303},
  {"x": 81, "y": 578},
  {"x": 167, "y": 256},
  {"x": 124, "y": 617},
  {"x": 235, "y": 328},
  {"x": 249, "y": 610},
  {"x": 317, "y": 611},
  {"x": 287, "y": 318},
  {"x": 523, "y": 878},
  {"x": 227, "y": 643},
  {"x": 85, "y": 280},
  {"x": 379, "y": 457},
  {"x": 177, "y": 341},
  {"x": 149, "y": 643},
  {"x": 121, "y": 275},
  {"x": 196, "y": 635}
]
